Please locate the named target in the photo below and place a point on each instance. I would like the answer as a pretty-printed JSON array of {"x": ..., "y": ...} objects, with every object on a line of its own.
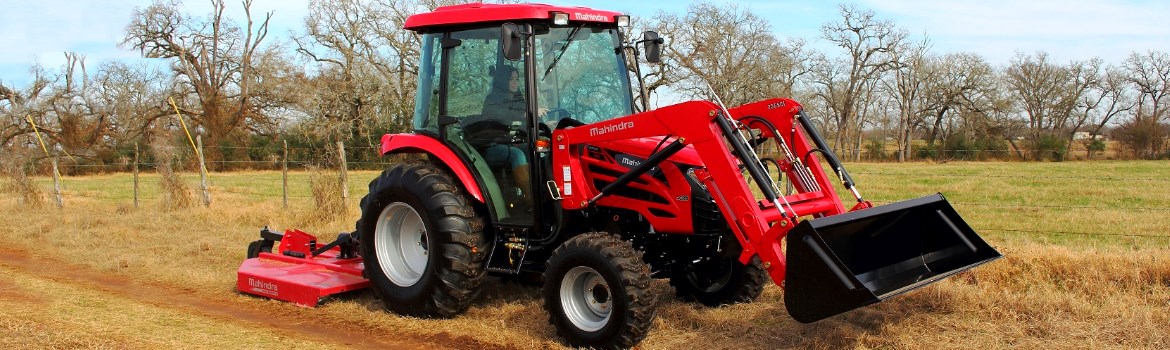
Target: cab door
[{"x": 479, "y": 116}]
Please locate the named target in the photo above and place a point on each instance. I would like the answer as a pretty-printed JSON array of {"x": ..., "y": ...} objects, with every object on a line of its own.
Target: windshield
[{"x": 580, "y": 70}]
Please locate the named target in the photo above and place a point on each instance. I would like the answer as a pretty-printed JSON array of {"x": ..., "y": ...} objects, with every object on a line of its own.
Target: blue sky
[{"x": 40, "y": 31}]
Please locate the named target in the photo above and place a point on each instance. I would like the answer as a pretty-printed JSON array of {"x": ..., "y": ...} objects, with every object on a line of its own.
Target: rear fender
[{"x": 413, "y": 143}]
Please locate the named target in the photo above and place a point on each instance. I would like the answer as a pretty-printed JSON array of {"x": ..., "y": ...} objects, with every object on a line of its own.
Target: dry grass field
[{"x": 1086, "y": 246}]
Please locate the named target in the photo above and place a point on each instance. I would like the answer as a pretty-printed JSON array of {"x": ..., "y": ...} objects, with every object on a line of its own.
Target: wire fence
[
  {"x": 1089, "y": 234},
  {"x": 1050, "y": 206},
  {"x": 256, "y": 158},
  {"x": 368, "y": 157},
  {"x": 277, "y": 162}
]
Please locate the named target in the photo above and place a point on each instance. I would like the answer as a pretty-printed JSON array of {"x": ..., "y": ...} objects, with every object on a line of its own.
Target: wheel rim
[
  {"x": 586, "y": 298},
  {"x": 401, "y": 245}
]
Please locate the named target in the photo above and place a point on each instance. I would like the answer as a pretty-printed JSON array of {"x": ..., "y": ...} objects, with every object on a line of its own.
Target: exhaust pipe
[{"x": 846, "y": 261}]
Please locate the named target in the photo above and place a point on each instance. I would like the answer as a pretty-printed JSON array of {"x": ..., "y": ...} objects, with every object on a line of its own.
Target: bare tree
[
  {"x": 1049, "y": 93},
  {"x": 89, "y": 115},
  {"x": 130, "y": 98},
  {"x": 367, "y": 65},
  {"x": 869, "y": 45},
  {"x": 1108, "y": 98},
  {"x": 1149, "y": 74},
  {"x": 277, "y": 86},
  {"x": 960, "y": 83},
  {"x": 77, "y": 124},
  {"x": 212, "y": 56},
  {"x": 905, "y": 86},
  {"x": 17, "y": 104},
  {"x": 731, "y": 49},
  {"x": 336, "y": 36}
]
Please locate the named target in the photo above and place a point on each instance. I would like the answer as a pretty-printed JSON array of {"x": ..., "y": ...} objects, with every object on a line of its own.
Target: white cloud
[
  {"x": 41, "y": 31},
  {"x": 1068, "y": 29}
]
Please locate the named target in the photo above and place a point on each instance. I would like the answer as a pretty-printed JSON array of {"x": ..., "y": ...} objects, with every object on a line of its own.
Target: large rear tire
[
  {"x": 422, "y": 242},
  {"x": 720, "y": 281},
  {"x": 597, "y": 292}
]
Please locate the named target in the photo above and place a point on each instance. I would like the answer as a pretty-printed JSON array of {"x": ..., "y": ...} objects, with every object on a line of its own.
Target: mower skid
[{"x": 846, "y": 261}]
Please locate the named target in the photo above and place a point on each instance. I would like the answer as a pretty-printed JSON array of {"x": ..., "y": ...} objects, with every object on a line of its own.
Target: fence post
[
  {"x": 202, "y": 171},
  {"x": 344, "y": 175},
  {"x": 284, "y": 174},
  {"x": 136, "y": 175},
  {"x": 57, "y": 185}
]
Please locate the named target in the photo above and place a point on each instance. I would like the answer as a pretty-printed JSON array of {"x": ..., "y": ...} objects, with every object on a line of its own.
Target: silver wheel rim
[
  {"x": 586, "y": 299},
  {"x": 401, "y": 244}
]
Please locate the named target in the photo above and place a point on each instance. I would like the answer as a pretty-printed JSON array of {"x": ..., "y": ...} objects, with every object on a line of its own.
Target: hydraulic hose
[{"x": 823, "y": 148}]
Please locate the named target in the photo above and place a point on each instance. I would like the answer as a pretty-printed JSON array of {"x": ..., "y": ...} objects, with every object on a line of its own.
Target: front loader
[{"x": 531, "y": 163}]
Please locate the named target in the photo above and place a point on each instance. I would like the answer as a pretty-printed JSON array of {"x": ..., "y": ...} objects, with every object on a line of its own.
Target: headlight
[
  {"x": 560, "y": 18},
  {"x": 623, "y": 21}
]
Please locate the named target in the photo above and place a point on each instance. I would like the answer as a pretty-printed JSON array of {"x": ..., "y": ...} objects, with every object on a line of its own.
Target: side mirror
[
  {"x": 510, "y": 41},
  {"x": 652, "y": 46}
]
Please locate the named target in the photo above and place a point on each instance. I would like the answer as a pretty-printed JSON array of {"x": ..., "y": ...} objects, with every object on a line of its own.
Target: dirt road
[{"x": 272, "y": 326}]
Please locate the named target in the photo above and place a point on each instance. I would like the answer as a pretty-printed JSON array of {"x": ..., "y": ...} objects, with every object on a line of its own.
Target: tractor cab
[{"x": 493, "y": 90}]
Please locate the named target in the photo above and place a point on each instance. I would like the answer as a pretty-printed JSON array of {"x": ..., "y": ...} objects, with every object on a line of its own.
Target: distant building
[{"x": 1084, "y": 135}]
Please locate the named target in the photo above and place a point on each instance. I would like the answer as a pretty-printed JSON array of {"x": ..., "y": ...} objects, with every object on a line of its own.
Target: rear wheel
[
  {"x": 720, "y": 281},
  {"x": 597, "y": 292},
  {"x": 421, "y": 242}
]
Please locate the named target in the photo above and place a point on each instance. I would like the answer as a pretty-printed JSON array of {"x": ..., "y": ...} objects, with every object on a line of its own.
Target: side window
[
  {"x": 474, "y": 65},
  {"x": 426, "y": 101},
  {"x": 486, "y": 95}
]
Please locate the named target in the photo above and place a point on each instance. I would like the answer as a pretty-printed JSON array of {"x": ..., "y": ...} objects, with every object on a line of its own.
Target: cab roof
[{"x": 483, "y": 13}]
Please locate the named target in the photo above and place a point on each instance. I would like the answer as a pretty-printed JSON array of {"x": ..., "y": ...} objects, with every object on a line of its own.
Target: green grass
[
  {"x": 254, "y": 186},
  {"x": 1076, "y": 203},
  {"x": 1102, "y": 202}
]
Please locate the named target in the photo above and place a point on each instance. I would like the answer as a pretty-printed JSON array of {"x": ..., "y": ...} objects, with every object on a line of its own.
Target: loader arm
[
  {"x": 835, "y": 260},
  {"x": 775, "y": 120},
  {"x": 759, "y": 229}
]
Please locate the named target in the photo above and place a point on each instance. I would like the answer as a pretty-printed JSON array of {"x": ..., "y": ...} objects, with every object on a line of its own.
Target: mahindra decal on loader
[{"x": 551, "y": 175}]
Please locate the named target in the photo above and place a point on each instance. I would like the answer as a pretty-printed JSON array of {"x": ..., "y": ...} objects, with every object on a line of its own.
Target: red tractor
[{"x": 535, "y": 164}]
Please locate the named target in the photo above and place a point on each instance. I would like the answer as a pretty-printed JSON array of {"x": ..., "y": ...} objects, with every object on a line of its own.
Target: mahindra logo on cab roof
[{"x": 589, "y": 17}]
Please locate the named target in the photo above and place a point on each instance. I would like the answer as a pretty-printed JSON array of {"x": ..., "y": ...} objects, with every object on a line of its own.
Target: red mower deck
[{"x": 295, "y": 275}]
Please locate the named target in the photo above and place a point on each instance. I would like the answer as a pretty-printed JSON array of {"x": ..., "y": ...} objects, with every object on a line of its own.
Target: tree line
[{"x": 348, "y": 74}]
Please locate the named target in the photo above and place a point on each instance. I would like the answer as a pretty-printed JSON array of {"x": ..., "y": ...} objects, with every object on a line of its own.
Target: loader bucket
[{"x": 846, "y": 261}]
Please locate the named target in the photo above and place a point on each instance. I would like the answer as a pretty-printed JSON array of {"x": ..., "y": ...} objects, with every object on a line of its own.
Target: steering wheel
[
  {"x": 492, "y": 131},
  {"x": 568, "y": 122},
  {"x": 551, "y": 119}
]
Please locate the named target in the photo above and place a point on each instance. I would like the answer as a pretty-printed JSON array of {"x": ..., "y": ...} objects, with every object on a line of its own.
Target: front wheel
[
  {"x": 597, "y": 292},
  {"x": 422, "y": 242},
  {"x": 720, "y": 281}
]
